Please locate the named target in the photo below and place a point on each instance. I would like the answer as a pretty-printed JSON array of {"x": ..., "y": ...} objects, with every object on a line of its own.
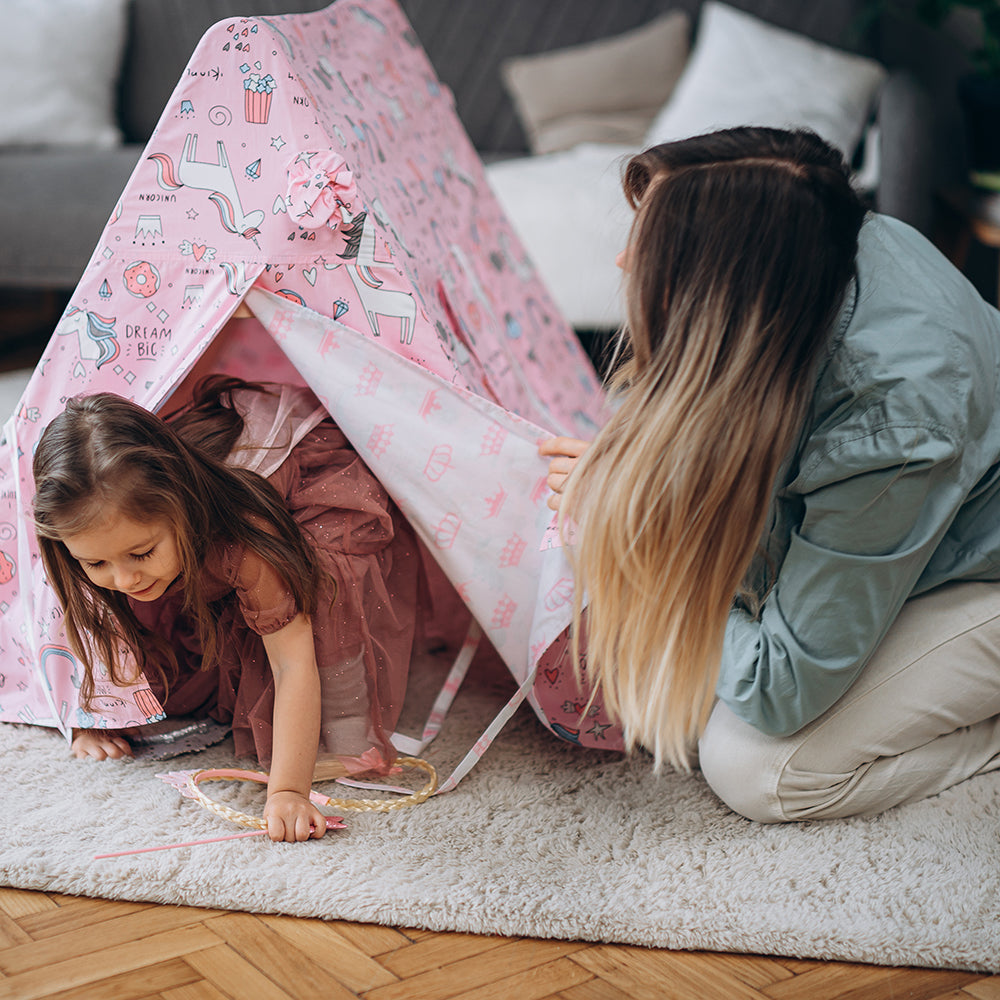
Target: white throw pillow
[
  {"x": 570, "y": 213},
  {"x": 744, "y": 71},
  {"x": 61, "y": 59}
]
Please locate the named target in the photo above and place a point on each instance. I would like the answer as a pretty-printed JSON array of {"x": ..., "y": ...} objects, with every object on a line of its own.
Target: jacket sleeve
[{"x": 874, "y": 507}]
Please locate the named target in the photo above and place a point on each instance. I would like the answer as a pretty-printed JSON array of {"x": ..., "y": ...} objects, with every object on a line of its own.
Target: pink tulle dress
[{"x": 363, "y": 628}]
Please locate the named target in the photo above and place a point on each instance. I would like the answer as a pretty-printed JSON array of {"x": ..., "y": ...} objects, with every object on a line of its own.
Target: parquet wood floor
[{"x": 72, "y": 948}]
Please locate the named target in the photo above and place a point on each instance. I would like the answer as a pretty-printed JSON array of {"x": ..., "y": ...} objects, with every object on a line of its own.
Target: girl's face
[{"x": 140, "y": 560}]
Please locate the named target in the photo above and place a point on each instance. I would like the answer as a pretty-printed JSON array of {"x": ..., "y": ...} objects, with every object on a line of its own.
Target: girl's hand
[
  {"x": 292, "y": 817},
  {"x": 100, "y": 744},
  {"x": 566, "y": 452}
]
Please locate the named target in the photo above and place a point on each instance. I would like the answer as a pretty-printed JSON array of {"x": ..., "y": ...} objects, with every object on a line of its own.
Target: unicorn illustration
[
  {"x": 368, "y": 138},
  {"x": 216, "y": 177},
  {"x": 236, "y": 276},
  {"x": 359, "y": 258},
  {"x": 96, "y": 334},
  {"x": 382, "y": 218}
]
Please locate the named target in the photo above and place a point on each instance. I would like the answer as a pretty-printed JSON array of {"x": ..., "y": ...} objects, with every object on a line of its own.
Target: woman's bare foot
[{"x": 100, "y": 744}]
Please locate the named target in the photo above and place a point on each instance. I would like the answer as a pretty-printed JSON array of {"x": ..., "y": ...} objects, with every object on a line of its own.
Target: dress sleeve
[
  {"x": 873, "y": 510},
  {"x": 264, "y": 599}
]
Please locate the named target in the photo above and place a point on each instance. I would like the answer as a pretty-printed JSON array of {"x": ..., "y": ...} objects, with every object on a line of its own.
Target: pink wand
[{"x": 332, "y": 823}]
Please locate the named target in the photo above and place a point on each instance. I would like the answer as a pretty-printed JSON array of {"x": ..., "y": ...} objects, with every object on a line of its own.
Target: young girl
[
  {"x": 250, "y": 562},
  {"x": 789, "y": 531}
]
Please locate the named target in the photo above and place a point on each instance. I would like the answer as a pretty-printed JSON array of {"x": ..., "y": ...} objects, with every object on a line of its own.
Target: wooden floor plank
[
  {"x": 436, "y": 950},
  {"x": 18, "y": 903},
  {"x": 65, "y": 899},
  {"x": 322, "y": 941},
  {"x": 985, "y": 989},
  {"x": 201, "y": 990},
  {"x": 477, "y": 970},
  {"x": 380, "y": 963},
  {"x": 799, "y": 965},
  {"x": 755, "y": 970},
  {"x": 915, "y": 984},
  {"x": 117, "y": 931},
  {"x": 593, "y": 989},
  {"x": 234, "y": 976},
  {"x": 849, "y": 982},
  {"x": 532, "y": 984},
  {"x": 373, "y": 939},
  {"x": 675, "y": 974},
  {"x": 97, "y": 965},
  {"x": 293, "y": 969},
  {"x": 144, "y": 982},
  {"x": 11, "y": 932},
  {"x": 83, "y": 913}
]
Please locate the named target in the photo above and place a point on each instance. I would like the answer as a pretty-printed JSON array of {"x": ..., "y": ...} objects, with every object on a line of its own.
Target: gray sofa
[{"x": 54, "y": 202}]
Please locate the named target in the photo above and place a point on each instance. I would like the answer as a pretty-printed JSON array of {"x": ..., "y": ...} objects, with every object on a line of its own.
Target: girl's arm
[{"x": 291, "y": 652}]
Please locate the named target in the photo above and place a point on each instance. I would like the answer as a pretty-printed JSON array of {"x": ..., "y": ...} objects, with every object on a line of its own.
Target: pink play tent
[{"x": 312, "y": 167}]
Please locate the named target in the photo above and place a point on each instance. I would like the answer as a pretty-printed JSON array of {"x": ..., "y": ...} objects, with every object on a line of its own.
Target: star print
[
  {"x": 320, "y": 260},
  {"x": 277, "y": 142},
  {"x": 192, "y": 214},
  {"x": 598, "y": 730},
  {"x": 305, "y": 158}
]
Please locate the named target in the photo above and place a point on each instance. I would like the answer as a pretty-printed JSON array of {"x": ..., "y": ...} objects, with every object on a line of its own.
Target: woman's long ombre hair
[
  {"x": 104, "y": 455},
  {"x": 741, "y": 251}
]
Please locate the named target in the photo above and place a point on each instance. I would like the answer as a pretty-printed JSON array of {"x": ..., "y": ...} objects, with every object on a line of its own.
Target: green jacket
[{"x": 894, "y": 487}]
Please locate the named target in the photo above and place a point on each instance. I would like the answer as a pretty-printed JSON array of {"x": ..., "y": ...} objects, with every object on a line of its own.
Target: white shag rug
[{"x": 542, "y": 839}]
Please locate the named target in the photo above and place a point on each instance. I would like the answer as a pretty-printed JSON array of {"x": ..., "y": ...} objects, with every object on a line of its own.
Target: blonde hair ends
[{"x": 741, "y": 251}]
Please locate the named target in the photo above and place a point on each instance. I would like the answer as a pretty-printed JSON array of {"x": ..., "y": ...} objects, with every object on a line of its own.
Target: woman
[{"x": 789, "y": 530}]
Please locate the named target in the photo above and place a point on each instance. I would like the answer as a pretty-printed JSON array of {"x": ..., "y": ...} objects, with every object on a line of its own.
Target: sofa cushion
[
  {"x": 603, "y": 91},
  {"x": 49, "y": 250},
  {"x": 744, "y": 71},
  {"x": 61, "y": 62},
  {"x": 570, "y": 213}
]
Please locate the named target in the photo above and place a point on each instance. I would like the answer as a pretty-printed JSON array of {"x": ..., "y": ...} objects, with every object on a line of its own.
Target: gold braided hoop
[
  {"x": 359, "y": 805},
  {"x": 388, "y": 805}
]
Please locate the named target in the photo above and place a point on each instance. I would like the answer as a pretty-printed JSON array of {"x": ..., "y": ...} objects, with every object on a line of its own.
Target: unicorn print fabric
[{"x": 312, "y": 168}]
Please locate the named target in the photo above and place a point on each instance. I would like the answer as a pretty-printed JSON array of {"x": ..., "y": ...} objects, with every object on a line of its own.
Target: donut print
[{"x": 141, "y": 279}]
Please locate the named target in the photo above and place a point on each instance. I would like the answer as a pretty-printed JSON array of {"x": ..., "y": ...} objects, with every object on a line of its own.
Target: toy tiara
[{"x": 318, "y": 798}]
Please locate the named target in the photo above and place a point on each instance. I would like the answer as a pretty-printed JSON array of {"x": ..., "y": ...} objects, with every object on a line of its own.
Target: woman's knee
[{"x": 742, "y": 766}]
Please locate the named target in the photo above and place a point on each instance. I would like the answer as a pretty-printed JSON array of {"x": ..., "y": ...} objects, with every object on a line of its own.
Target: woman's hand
[
  {"x": 565, "y": 453},
  {"x": 100, "y": 744},
  {"x": 291, "y": 817}
]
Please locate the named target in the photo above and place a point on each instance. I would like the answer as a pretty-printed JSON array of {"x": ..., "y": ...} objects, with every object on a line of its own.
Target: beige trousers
[{"x": 923, "y": 715}]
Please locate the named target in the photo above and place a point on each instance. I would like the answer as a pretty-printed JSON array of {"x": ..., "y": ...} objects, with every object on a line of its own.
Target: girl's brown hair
[
  {"x": 104, "y": 455},
  {"x": 741, "y": 251}
]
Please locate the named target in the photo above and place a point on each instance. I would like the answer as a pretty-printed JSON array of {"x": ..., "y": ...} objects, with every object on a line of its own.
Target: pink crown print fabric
[{"x": 313, "y": 166}]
